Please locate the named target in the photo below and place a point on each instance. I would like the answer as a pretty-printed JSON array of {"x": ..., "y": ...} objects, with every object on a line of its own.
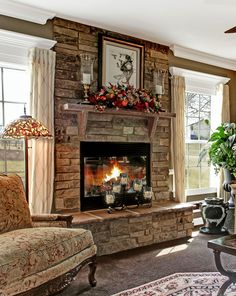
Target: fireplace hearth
[{"x": 123, "y": 168}]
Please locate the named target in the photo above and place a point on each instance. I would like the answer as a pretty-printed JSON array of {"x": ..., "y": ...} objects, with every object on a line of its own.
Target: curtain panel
[
  {"x": 178, "y": 136},
  {"x": 41, "y": 156}
]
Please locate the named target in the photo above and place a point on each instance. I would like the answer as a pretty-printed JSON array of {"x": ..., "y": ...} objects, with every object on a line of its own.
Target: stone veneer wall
[{"x": 72, "y": 39}]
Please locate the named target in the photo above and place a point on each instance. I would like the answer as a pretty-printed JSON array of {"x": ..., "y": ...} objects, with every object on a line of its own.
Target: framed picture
[{"x": 120, "y": 62}]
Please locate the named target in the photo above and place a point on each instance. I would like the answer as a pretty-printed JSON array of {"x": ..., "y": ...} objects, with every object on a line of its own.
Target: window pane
[
  {"x": 0, "y": 84},
  {"x": 15, "y": 85},
  {"x": 12, "y": 153},
  {"x": 13, "y": 111},
  {"x": 15, "y": 94},
  {"x": 205, "y": 177},
  {"x": 197, "y": 127},
  {"x": 1, "y": 115},
  {"x": 2, "y": 156},
  {"x": 193, "y": 178}
]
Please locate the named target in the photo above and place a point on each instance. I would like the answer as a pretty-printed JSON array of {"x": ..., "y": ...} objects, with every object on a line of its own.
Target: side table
[{"x": 225, "y": 244}]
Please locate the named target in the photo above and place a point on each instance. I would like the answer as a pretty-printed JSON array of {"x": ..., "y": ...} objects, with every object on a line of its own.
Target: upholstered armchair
[{"x": 36, "y": 259}]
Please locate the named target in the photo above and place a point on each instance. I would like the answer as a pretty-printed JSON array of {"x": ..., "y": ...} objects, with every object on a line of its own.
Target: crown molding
[
  {"x": 25, "y": 12},
  {"x": 198, "y": 81},
  {"x": 198, "y": 56},
  {"x": 14, "y": 46}
]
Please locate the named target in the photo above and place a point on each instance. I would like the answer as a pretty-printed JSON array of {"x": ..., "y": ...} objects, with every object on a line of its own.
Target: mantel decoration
[{"x": 126, "y": 97}]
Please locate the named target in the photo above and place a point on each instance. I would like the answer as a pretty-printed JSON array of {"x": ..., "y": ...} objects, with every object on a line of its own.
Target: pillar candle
[
  {"x": 158, "y": 89},
  {"x": 86, "y": 78}
]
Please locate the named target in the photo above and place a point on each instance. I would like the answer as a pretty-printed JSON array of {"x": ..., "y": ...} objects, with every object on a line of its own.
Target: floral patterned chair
[{"x": 36, "y": 259}]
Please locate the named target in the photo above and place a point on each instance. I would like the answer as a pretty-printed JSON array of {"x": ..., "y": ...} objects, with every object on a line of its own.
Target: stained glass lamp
[{"x": 27, "y": 128}]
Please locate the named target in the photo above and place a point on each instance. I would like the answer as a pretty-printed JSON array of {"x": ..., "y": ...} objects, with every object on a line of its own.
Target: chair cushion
[
  {"x": 14, "y": 210},
  {"x": 27, "y": 252}
]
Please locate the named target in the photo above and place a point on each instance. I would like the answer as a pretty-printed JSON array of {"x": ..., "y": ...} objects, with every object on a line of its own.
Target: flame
[{"x": 115, "y": 173}]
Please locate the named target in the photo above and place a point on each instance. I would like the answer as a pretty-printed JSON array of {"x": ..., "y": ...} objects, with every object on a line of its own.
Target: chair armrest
[{"x": 53, "y": 220}]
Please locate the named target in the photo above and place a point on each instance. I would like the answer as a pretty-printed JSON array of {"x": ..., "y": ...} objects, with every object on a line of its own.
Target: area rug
[{"x": 183, "y": 284}]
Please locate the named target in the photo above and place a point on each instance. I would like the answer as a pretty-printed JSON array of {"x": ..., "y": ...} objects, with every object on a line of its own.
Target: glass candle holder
[
  {"x": 86, "y": 70},
  {"x": 116, "y": 188},
  {"x": 123, "y": 179},
  {"x": 109, "y": 198},
  {"x": 158, "y": 82},
  {"x": 137, "y": 185},
  {"x": 147, "y": 192}
]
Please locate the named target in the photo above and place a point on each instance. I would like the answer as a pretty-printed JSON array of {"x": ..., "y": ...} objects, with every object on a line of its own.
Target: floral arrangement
[{"x": 128, "y": 97}]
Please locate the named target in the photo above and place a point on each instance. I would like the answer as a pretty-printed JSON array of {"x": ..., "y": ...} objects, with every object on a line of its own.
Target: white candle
[
  {"x": 137, "y": 187},
  {"x": 158, "y": 89},
  {"x": 116, "y": 188},
  {"x": 147, "y": 194},
  {"x": 109, "y": 199},
  {"x": 124, "y": 181},
  {"x": 86, "y": 78}
]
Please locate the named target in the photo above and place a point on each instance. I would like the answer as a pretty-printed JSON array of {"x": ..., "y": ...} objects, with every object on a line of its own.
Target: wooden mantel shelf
[{"x": 84, "y": 110}]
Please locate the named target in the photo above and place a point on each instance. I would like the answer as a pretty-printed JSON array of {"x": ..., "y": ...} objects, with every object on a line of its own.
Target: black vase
[{"x": 213, "y": 214}]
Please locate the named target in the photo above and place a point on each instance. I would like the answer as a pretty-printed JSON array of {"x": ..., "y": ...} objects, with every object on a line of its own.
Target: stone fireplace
[{"x": 77, "y": 125}]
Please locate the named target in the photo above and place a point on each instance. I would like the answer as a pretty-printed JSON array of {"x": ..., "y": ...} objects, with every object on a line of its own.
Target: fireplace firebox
[{"x": 110, "y": 165}]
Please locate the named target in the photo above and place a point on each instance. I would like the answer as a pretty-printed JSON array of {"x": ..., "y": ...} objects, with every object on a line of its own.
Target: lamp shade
[{"x": 26, "y": 127}]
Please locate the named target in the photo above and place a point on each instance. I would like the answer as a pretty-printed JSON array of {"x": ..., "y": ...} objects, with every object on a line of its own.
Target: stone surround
[{"x": 136, "y": 227}]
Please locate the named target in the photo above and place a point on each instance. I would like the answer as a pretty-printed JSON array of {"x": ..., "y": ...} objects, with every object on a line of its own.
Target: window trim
[
  {"x": 14, "y": 46},
  {"x": 199, "y": 82}
]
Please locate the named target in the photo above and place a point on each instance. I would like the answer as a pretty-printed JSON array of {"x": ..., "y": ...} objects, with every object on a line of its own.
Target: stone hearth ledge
[{"x": 136, "y": 227}]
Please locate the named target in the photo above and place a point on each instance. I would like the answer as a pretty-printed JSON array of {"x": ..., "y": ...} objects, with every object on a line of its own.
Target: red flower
[{"x": 124, "y": 103}]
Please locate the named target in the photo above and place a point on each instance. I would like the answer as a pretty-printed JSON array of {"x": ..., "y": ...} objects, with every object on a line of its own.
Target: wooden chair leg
[{"x": 92, "y": 270}]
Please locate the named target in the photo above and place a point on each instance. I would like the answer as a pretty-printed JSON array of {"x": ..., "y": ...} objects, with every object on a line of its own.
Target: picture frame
[{"x": 120, "y": 62}]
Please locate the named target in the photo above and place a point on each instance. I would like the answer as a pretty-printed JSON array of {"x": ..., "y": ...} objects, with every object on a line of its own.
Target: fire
[{"x": 115, "y": 173}]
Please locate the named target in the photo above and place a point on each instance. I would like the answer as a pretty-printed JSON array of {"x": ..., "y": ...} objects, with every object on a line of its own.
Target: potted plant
[{"x": 221, "y": 149}]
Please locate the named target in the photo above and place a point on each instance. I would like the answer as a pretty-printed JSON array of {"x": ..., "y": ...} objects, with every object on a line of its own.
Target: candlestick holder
[
  {"x": 86, "y": 70},
  {"x": 86, "y": 92}
]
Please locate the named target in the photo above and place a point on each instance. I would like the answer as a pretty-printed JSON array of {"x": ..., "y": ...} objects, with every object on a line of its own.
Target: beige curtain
[
  {"x": 178, "y": 136},
  {"x": 225, "y": 110},
  {"x": 223, "y": 96},
  {"x": 225, "y": 117},
  {"x": 41, "y": 159}
]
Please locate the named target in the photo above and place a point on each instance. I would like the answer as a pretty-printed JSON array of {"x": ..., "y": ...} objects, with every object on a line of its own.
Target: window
[
  {"x": 202, "y": 115},
  {"x": 13, "y": 97},
  {"x": 197, "y": 132}
]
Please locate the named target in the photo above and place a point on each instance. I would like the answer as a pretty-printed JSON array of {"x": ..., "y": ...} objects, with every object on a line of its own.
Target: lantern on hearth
[{"x": 123, "y": 179}]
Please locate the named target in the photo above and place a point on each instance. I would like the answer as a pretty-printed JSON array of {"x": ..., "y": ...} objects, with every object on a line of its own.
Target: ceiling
[{"x": 193, "y": 24}]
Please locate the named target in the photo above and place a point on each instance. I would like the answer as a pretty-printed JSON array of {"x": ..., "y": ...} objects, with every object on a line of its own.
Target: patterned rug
[{"x": 183, "y": 284}]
